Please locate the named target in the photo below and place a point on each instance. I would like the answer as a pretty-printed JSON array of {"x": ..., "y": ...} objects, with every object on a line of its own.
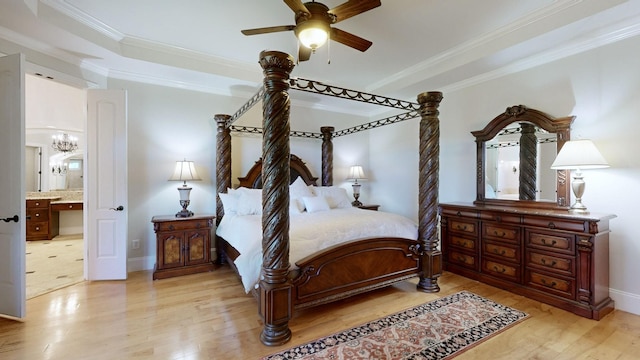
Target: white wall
[{"x": 600, "y": 87}]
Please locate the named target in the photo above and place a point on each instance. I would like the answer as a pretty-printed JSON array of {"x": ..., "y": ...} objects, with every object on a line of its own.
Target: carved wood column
[
  {"x": 275, "y": 290},
  {"x": 223, "y": 171},
  {"x": 428, "y": 191},
  {"x": 528, "y": 162},
  {"x": 327, "y": 155}
]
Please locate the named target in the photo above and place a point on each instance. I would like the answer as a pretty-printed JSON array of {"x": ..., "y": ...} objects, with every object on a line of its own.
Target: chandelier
[{"x": 64, "y": 143}]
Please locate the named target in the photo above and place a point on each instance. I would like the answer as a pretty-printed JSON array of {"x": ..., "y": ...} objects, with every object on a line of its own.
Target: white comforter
[{"x": 309, "y": 233}]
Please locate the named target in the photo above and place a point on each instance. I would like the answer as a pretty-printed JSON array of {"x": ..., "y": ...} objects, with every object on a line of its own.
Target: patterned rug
[{"x": 438, "y": 329}]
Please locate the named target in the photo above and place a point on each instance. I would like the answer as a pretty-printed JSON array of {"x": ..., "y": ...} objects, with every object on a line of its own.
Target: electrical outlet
[{"x": 135, "y": 244}]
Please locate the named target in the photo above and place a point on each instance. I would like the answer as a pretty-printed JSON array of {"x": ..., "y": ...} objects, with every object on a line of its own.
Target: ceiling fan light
[{"x": 313, "y": 36}]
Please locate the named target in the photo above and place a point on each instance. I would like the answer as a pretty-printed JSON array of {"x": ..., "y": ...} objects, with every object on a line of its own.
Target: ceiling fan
[{"x": 313, "y": 25}]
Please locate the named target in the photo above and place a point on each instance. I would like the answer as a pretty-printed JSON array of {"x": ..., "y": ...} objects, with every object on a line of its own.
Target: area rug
[{"x": 439, "y": 329}]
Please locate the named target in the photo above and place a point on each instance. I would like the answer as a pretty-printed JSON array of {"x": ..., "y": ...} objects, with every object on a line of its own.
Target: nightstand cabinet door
[
  {"x": 183, "y": 245},
  {"x": 171, "y": 250}
]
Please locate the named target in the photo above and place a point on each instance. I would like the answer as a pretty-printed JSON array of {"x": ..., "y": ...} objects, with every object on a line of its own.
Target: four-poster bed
[{"x": 342, "y": 270}]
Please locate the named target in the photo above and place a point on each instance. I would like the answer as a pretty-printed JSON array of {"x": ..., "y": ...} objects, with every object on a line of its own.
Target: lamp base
[
  {"x": 356, "y": 203},
  {"x": 184, "y": 212}
]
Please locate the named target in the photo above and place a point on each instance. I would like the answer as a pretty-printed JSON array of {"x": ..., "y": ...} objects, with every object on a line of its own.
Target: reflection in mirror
[
  {"x": 512, "y": 173},
  {"x": 514, "y": 156}
]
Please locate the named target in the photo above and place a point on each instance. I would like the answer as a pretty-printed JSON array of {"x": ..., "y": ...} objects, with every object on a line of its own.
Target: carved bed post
[
  {"x": 528, "y": 162},
  {"x": 223, "y": 171},
  {"x": 275, "y": 289},
  {"x": 428, "y": 191},
  {"x": 327, "y": 155}
]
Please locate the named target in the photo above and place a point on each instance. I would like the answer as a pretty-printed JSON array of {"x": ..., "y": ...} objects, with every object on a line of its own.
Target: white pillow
[
  {"x": 249, "y": 201},
  {"x": 297, "y": 190},
  {"x": 336, "y": 196},
  {"x": 229, "y": 203},
  {"x": 295, "y": 207},
  {"x": 315, "y": 203}
]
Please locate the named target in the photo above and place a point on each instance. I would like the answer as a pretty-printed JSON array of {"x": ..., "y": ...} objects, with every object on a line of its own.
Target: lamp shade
[
  {"x": 579, "y": 154},
  {"x": 184, "y": 170},
  {"x": 313, "y": 34},
  {"x": 355, "y": 173}
]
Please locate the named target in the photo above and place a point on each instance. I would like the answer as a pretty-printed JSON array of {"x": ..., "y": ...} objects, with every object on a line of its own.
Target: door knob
[
  {"x": 119, "y": 208},
  {"x": 14, "y": 218}
]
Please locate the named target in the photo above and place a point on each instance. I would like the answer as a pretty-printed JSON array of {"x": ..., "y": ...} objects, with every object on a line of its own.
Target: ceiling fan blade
[
  {"x": 350, "y": 40},
  {"x": 353, "y": 8},
  {"x": 297, "y": 6},
  {"x": 304, "y": 53},
  {"x": 266, "y": 30}
]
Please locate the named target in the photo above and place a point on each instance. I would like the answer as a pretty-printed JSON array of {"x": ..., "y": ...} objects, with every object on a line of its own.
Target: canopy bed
[{"x": 344, "y": 269}]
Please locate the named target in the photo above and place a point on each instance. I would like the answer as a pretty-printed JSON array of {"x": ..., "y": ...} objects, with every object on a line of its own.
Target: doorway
[{"x": 54, "y": 109}]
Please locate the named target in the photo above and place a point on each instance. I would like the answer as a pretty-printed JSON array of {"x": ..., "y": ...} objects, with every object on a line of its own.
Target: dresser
[
  {"x": 552, "y": 256},
  {"x": 183, "y": 245},
  {"x": 42, "y": 223}
]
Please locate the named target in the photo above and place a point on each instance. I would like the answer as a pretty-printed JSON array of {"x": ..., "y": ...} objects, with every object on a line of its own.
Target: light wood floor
[{"x": 208, "y": 316}]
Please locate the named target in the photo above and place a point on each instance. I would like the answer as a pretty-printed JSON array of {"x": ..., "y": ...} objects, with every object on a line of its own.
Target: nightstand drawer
[{"x": 182, "y": 225}]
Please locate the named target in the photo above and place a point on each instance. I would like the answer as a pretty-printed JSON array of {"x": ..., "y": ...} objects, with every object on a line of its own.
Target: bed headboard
[{"x": 297, "y": 168}]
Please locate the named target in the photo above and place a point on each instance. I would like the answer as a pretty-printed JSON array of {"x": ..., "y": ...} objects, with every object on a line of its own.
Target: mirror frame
[{"x": 520, "y": 113}]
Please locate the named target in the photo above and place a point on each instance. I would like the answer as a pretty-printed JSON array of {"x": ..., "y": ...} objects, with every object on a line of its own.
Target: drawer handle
[
  {"x": 462, "y": 259},
  {"x": 171, "y": 227},
  {"x": 499, "y": 270},
  {"x": 551, "y": 225},
  {"x": 551, "y": 284},
  {"x": 37, "y": 228},
  {"x": 498, "y": 218},
  {"x": 37, "y": 204},
  {"x": 463, "y": 227},
  {"x": 551, "y": 243},
  {"x": 70, "y": 206},
  {"x": 458, "y": 213},
  {"x": 460, "y": 242},
  {"x": 495, "y": 251},
  {"x": 503, "y": 234},
  {"x": 551, "y": 264},
  {"x": 38, "y": 214}
]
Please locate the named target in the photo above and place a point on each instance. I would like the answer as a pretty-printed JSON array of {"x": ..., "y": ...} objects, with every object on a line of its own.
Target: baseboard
[
  {"x": 626, "y": 301},
  {"x": 141, "y": 263}
]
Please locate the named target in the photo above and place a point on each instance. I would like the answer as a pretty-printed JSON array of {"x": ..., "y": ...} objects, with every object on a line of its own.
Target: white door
[
  {"x": 12, "y": 188},
  {"x": 106, "y": 196}
]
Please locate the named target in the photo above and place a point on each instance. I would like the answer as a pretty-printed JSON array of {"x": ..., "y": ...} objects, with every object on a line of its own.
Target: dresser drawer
[
  {"x": 66, "y": 206},
  {"x": 510, "y": 272},
  {"x": 462, "y": 226},
  {"x": 500, "y": 250},
  {"x": 37, "y": 228},
  {"x": 462, "y": 242},
  {"x": 462, "y": 259},
  {"x": 38, "y": 203},
  {"x": 557, "y": 223},
  {"x": 500, "y": 217},
  {"x": 38, "y": 214},
  {"x": 560, "y": 265},
  {"x": 555, "y": 242},
  {"x": 182, "y": 225},
  {"x": 551, "y": 284},
  {"x": 501, "y": 232}
]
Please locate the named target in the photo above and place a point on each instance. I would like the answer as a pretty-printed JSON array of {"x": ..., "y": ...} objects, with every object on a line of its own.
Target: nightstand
[
  {"x": 369, "y": 207},
  {"x": 183, "y": 245}
]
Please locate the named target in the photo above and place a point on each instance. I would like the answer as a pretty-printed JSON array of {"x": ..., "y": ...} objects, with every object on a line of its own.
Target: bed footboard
[{"x": 352, "y": 268}]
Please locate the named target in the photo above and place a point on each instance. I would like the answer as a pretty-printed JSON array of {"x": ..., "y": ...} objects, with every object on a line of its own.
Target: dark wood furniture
[
  {"x": 183, "y": 245},
  {"x": 66, "y": 206},
  {"x": 369, "y": 207},
  {"x": 534, "y": 248},
  {"x": 551, "y": 256},
  {"x": 42, "y": 223},
  {"x": 345, "y": 270}
]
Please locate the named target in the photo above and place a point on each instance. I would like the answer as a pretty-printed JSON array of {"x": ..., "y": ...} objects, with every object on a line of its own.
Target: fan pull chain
[{"x": 329, "y": 48}]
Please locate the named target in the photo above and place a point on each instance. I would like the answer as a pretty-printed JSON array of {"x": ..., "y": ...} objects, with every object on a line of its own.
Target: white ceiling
[{"x": 418, "y": 45}]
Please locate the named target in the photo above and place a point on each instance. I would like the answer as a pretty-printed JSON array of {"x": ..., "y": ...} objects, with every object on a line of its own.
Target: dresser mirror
[{"x": 514, "y": 155}]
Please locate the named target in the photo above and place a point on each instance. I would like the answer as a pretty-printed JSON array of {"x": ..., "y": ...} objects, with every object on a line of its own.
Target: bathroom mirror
[{"x": 514, "y": 154}]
